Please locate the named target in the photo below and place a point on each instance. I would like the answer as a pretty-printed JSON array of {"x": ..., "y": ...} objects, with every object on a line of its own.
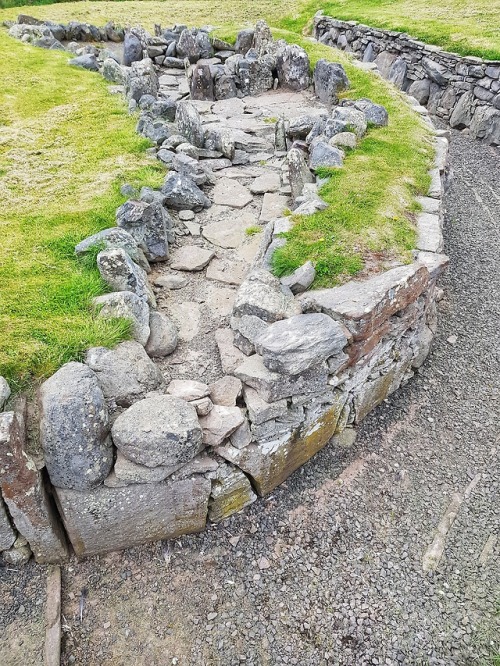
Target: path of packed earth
[{"x": 328, "y": 570}]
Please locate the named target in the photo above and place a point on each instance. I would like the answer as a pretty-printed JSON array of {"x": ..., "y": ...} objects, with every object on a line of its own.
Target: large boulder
[
  {"x": 160, "y": 430},
  {"x": 293, "y": 67},
  {"x": 141, "y": 80},
  {"x": 111, "y": 239},
  {"x": 181, "y": 193},
  {"x": 120, "y": 273},
  {"x": 256, "y": 73},
  {"x": 296, "y": 344},
  {"x": 189, "y": 123},
  {"x": 132, "y": 49},
  {"x": 463, "y": 111},
  {"x": 329, "y": 79},
  {"x": 125, "y": 373},
  {"x": 148, "y": 224},
  {"x": 485, "y": 125},
  {"x": 129, "y": 306},
  {"x": 74, "y": 428}
]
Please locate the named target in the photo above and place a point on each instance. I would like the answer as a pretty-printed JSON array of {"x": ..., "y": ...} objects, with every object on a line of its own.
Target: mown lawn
[{"x": 67, "y": 145}]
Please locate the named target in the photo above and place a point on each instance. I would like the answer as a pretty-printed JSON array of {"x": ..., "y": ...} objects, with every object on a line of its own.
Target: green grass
[{"x": 66, "y": 145}]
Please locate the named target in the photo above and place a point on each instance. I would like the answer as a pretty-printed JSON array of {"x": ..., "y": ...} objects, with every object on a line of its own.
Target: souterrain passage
[{"x": 330, "y": 570}]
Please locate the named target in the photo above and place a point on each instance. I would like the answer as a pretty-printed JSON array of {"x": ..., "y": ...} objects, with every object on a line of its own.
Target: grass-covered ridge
[{"x": 66, "y": 145}]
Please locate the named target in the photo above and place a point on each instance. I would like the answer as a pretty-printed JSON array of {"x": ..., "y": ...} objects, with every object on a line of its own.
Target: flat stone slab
[
  {"x": 229, "y": 233},
  {"x": 229, "y": 192},
  {"x": 229, "y": 272},
  {"x": 187, "y": 318},
  {"x": 273, "y": 206},
  {"x": 364, "y": 306},
  {"x": 107, "y": 519},
  {"x": 191, "y": 258},
  {"x": 430, "y": 236},
  {"x": 267, "y": 182}
]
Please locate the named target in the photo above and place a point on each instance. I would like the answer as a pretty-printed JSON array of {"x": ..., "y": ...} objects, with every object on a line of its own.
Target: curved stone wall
[
  {"x": 134, "y": 455},
  {"x": 463, "y": 90}
]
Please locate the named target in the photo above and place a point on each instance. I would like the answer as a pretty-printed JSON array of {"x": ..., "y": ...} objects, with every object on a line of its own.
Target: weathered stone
[
  {"x": 244, "y": 41},
  {"x": 199, "y": 465},
  {"x": 129, "y": 306},
  {"x": 163, "y": 338},
  {"x": 188, "y": 389},
  {"x": 86, "y": 61},
  {"x": 225, "y": 391},
  {"x": 24, "y": 492},
  {"x": 329, "y": 79},
  {"x": 280, "y": 133},
  {"x": 160, "y": 430},
  {"x": 230, "y": 356},
  {"x": 248, "y": 328},
  {"x": 229, "y": 234},
  {"x": 229, "y": 272},
  {"x": 299, "y": 172},
  {"x": 125, "y": 373},
  {"x": 300, "y": 126},
  {"x": 141, "y": 80},
  {"x": 397, "y": 72},
  {"x": 219, "y": 424},
  {"x": 273, "y": 206},
  {"x": 436, "y": 263},
  {"x": 296, "y": 344},
  {"x": 270, "y": 463},
  {"x": 273, "y": 386},
  {"x": 147, "y": 223},
  {"x": 242, "y": 436},
  {"x": 344, "y": 140},
  {"x": 19, "y": 554},
  {"x": 376, "y": 115},
  {"x": 229, "y": 192},
  {"x": 4, "y": 392},
  {"x": 191, "y": 258},
  {"x": 485, "y": 125},
  {"x": 293, "y": 67},
  {"x": 172, "y": 281},
  {"x": 119, "y": 271},
  {"x": 260, "y": 411},
  {"x": 363, "y": 306},
  {"x": 231, "y": 492},
  {"x": 220, "y": 139},
  {"x": 202, "y": 83},
  {"x": 268, "y": 182},
  {"x": 127, "y": 471},
  {"x": 436, "y": 72},
  {"x": 346, "y": 119},
  {"x": 182, "y": 193},
  {"x": 108, "y": 519},
  {"x": 113, "y": 238},
  {"x": 261, "y": 295},
  {"x": 384, "y": 62},
  {"x": 420, "y": 91},
  {"x": 203, "y": 406},
  {"x": 324, "y": 155},
  {"x": 255, "y": 73},
  {"x": 132, "y": 49},
  {"x": 189, "y": 123},
  {"x": 7, "y": 532},
  {"x": 301, "y": 279},
  {"x": 114, "y": 72},
  {"x": 463, "y": 111},
  {"x": 430, "y": 237}
]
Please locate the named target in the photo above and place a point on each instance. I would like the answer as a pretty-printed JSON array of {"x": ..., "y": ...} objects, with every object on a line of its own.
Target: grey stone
[
  {"x": 125, "y": 373},
  {"x": 225, "y": 391},
  {"x": 74, "y": 427},
  {"x": 376, "y": 115},
  {"x": 4, "y": 392},
  {"x": 463, "y": 111},
  {"x": 436, "y": 72},
  {"x": 261, "y": 295},
  {"x": 7, "y": 533},
  {"x": 225, "y": 87},
  {"x": 268, "y": 182},
  {"x": 113, "y": 72},
  {"x": 188, "y": 389},
  {"x": 260, "y": 411},
  {"x": 25, "y": 495},
  {"x": 229, "y": 272},
  {"x": 130, "y": 472},
  {"x": 255, "y": 73},
  {"x": 248, "y": 328},
  {"x": 300, "y": 126},
  {"x": 128, "y": 305},
  {"x": 119, "y": 271},
  {"x": 293, "y": 67},
  {"x": 141, "y": 80},
  {"x": 202, "y": 83},
  {"x": 159, "y": 430},
  {"x": 230, "y": 356},
  {"x": 165, "y": 156},
  {"x": 203, "y": 406},
  {"x": 485, "y": 125},
  {"x": 109, "y": 519},
  {"x": 397, "y": 72},
  {"x": 220, "y": 139},
  {"x": 296, "y": 344},
  {"x": 219, "y": 424},
  {"x": 324, "y": 155},
  {"x": 301, "y": 279},
  {"x": 182, "y": 193},
  {"x": 229, "y": 235},
  {"x": 346, "y": 119},
  {"x": 189, "y": 167},
  {"x": 384, "y": 62},
  {"x": 86, "y": 61},
  {"x": 163, "y": 338},
  {"x": 299, "y": 172},
  {"x": 420, "y": 89},
  {"x": 329, "y": 79},
  {"x": 172, "y": 281},
  {"x": 344, "y": 140},
  {"x": 147, "y": 223},
  {"x": 189, "y": 123},
  {"x": 273, "y": 386},
  {"x": 231, "y": 492},
  {"x": 242, "y": 436},
  {"x": 191, "y": 258},
  {"x": 199, "y": 465},
  {"x": 244, "y": 41},
  {"x": 430, "y": 237},
  {"x": 163, "y": 109},
  {"x": 132, "y": 49},
  {"x": 188, "y": 150},
  {"x": 273, "y": 205}
]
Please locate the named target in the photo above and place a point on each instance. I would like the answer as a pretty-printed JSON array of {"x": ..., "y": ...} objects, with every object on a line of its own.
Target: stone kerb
[
  {"x": 134, "y": 455},
  {"x": 464, "y": 91}
]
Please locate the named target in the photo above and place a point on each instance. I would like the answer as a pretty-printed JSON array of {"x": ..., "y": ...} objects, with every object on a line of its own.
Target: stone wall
[
  {"x": 463, "y": 90},
  {"x": 131, "y": 455}
]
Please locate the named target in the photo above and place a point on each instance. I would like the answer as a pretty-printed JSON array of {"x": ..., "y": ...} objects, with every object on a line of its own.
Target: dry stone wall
[
  {"x": 463, "y": 90},
  {"x": 185, "y": 423}
]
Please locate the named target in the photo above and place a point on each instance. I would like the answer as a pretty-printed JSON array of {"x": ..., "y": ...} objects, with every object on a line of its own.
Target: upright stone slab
[
  {"x": 25, "y": 494},
  {"x": 106, "y": 519},
  {"x": 74, "y": 428},
  {"x": 329, "y": 79},
  {"x": 231, "y": 492},
  {"x": 7, "y": 532}
]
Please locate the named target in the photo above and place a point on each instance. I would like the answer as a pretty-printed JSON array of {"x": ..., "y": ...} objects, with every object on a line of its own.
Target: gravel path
[{"x": 329, "y": 571}]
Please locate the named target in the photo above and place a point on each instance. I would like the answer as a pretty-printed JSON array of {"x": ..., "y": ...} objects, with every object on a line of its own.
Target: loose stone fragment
[
  {"x": 125, "y": 373},
  {"x": 259, "y": 410},
  {"x": 242, "y": 436},
  {"x": 269, "y": 182},
  {"x": 230, "y": 356},
  {"x": 219, "y": 424},
  {"x": 188, "y": 389},
  {"x": 172, "y": 281},
  {"x": 301, "y": 279},
  {"x": 203, "y": 406},
  {"x": 376, "y": 115},
  {"x": 122, "y": 274},
  {"x": 182, "y": 193},
  {"x": 229, "y": 192},
  {"x": 191, "y": 258},
  {"x": 147, "y": 223},
  {"x": 108, "y": 519},
  {"x": 163, "y": 338},
  {"x": 261, "y": 295},
  {"x": 248, "y": 328},
  {"x": 226, "y": 391},
  {"x": 74, "y": 428},
  {"x": 160, "y": 430},
  {"x": 7, "y": 533},
  {"x": 231, "y": 492}
]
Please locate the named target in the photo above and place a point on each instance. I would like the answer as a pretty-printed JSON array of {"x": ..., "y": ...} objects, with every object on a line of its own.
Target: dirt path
[{"x": 328, "y": 570}]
